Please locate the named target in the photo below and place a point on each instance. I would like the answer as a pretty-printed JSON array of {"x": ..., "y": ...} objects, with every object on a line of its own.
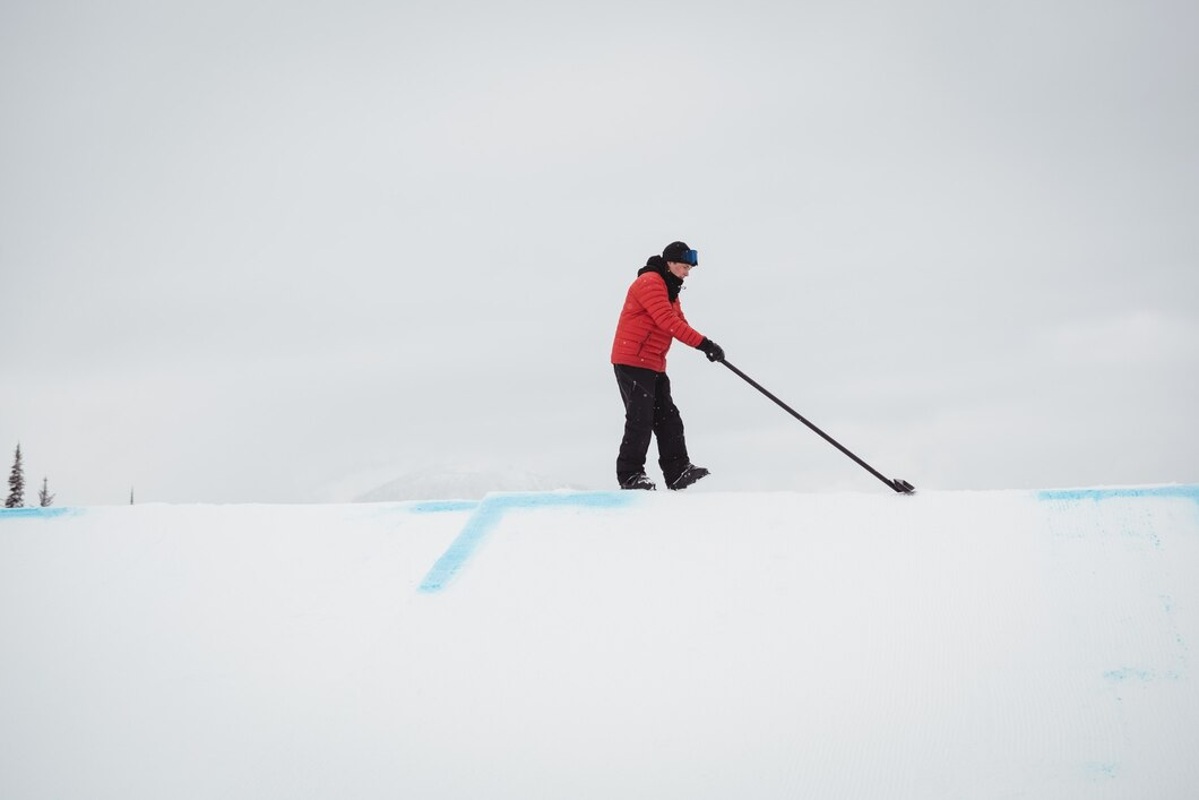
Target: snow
[{"x": 606, "y": 645}]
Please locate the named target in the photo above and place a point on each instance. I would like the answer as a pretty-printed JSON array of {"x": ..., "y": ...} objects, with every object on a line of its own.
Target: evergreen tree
[
  {"x": 16, "y": 483},
  {"x": 44, "y": 498}
]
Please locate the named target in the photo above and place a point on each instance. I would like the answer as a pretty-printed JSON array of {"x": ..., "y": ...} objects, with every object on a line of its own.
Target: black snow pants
[{"x": 649, "y": 409}]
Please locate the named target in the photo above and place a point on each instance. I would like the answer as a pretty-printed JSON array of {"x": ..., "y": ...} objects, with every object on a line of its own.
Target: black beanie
[{"x": 676, "y": 251}]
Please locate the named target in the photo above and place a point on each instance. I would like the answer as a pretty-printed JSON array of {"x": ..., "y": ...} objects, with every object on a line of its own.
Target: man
[{"x": 649, "y": 322}]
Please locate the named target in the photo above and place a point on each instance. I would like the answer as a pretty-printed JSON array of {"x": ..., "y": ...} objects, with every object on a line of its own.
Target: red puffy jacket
[{"x": 649, "y": 322}]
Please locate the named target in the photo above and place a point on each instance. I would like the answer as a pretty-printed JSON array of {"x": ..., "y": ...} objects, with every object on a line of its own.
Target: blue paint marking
[
  {"x": 1104, "y": 770},
  {"x": 483, "y": 520},
  {"x": 1186, "y": 492},
  {"x": 488, "y": 514},
  {"x": 39, "y": 513},
  {"x": 1129, "y": 674},
  {"x": 439, "y": 506}
]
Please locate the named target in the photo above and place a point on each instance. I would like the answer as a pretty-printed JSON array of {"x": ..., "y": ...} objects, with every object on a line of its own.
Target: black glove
[{"x": 714, "y": 351}]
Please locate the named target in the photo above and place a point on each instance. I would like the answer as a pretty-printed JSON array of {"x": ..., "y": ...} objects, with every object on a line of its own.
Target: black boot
[
  {"x": 638, "y": 481},
  {"x": 688, "y": 476}
]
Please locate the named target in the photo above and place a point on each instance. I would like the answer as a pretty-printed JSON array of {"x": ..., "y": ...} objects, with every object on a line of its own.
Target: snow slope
[{"x": 607, "y": 645}]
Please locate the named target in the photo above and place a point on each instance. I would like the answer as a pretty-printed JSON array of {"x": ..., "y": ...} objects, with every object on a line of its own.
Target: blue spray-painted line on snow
[
  {"x": 1129, "y": 674},
  {"x": 1189, "y": 492},
  {"x": 39, "y": 513},
  {"x": 438, "y": 506},
  {"x": 488, "y": 514}
]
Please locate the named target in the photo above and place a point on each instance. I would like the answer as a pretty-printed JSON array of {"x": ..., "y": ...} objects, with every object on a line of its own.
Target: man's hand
[{"x": 713, "y": 351}]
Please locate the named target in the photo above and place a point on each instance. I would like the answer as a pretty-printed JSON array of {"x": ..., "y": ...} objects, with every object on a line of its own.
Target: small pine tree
[
  {"x": 16, "y": 483},
  {"x": 44, "y": 498}
]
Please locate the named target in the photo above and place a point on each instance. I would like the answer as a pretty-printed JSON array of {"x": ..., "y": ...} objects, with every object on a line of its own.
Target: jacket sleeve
[{"x": 650, "y": 291}]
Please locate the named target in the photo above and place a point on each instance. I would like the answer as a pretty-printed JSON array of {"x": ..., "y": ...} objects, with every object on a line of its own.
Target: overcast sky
[{"x": 287, "y": 251}]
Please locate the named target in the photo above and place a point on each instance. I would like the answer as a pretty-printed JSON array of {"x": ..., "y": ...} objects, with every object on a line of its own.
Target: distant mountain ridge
[{"x": 458, "y": 483}]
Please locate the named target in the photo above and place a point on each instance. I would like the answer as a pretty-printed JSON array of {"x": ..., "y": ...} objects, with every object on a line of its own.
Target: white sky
[{"x": 286, "y": 251}]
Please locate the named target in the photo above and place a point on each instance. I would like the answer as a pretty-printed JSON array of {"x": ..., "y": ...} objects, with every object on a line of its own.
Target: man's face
[{"x": 679, "y": 269}]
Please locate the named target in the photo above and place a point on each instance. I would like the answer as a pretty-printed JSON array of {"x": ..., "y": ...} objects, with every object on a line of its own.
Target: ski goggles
[{"x": 691, "y": 257}]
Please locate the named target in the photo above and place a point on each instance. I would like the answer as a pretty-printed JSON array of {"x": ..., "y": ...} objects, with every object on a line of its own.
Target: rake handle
[{"x": 901, "y": 486}]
